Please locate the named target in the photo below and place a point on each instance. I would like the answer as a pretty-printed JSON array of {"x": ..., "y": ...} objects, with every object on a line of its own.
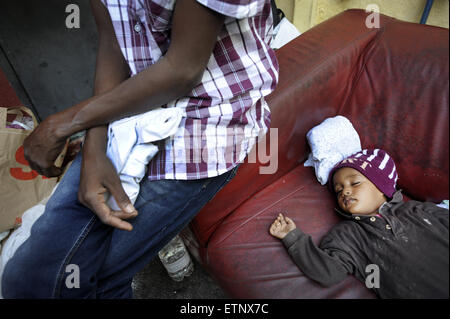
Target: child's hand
[{"x": 281, "y": 226}]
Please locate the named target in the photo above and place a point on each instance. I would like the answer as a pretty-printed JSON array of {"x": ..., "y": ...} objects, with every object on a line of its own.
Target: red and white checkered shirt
[{"x": 226, "y": 112}]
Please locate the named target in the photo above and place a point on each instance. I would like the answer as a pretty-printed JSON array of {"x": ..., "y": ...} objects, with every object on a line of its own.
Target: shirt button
[
  {"x": 372, "y": 219},
  {"x": 357, "y": 218},
  {"x": 137, "y": 27},
  {"x": 388, "y": 227}
]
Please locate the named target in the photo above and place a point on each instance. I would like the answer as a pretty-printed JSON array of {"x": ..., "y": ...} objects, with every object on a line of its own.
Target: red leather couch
[{"x": 393, "y": 85}]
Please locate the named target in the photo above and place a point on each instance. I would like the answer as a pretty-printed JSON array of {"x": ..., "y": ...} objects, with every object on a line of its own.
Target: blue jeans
[{"x": 107, "y": 258}]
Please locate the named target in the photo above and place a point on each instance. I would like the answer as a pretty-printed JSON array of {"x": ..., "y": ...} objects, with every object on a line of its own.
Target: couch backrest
[{"x": 330, "y": 70}]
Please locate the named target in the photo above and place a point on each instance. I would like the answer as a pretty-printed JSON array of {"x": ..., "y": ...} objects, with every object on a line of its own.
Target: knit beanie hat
[{"x": 374, "y": 164}]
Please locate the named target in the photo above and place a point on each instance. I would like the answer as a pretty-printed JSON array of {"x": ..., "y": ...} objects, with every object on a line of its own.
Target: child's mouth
[{"x": 349, "y": 201}]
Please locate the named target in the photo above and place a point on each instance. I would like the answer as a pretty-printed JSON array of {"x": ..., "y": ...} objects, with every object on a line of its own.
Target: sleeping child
[{"x": 406, "y": 242}]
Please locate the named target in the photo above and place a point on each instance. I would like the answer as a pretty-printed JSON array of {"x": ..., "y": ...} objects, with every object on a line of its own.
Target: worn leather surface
[{"x": 392, "y": 83}]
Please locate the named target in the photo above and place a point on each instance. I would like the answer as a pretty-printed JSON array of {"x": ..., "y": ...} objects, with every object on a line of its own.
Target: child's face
[{"x": 355, "y": 193}]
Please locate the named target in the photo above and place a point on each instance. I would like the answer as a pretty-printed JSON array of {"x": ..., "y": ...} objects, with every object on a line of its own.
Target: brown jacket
[{"x": 409, "y": 245}]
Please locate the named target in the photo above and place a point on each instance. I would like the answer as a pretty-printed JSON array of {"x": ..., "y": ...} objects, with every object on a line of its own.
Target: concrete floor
[
  {"x": 51, "y": 68},
  {"x": 153, "y": 282}
]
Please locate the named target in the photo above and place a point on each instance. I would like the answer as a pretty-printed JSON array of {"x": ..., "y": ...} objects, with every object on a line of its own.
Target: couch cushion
[{"x": 249, "y": 263}]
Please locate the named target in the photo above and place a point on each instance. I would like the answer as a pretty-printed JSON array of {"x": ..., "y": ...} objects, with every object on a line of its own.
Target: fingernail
[{"x": 129, "y": 208}]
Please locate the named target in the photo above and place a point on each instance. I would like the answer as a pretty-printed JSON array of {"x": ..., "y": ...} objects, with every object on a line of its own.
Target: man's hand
[
  {"x": 98, "y": 176},
  {"x": 98, "y": 179},
  {"x": 43, "y": 146},
  {"x": 281, "y": 226}
]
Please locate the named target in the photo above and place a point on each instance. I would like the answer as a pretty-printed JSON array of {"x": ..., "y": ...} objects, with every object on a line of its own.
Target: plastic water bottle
[{"x": 175, "y": 258}]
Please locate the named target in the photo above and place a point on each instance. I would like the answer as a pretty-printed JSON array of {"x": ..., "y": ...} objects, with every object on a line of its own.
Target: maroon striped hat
[{"x": 376, "y": 165}]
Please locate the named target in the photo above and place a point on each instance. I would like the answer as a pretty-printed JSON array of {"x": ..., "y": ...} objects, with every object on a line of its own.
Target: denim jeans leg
[
  {"x": 69, "y": 234},
  {"x": 165, "y": 208}
]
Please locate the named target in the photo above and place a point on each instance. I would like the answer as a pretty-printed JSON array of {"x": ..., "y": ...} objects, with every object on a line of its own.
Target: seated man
[{"x": 209, "y": 57}]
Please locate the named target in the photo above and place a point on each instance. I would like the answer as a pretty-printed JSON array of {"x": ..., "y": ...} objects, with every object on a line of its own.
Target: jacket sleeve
[
  {"x": 327, "y": 266},
  {"x": 435, "y": 212}
]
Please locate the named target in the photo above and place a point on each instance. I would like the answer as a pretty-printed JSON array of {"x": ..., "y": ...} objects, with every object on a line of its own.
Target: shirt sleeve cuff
[{"x": 292, "y": 237}]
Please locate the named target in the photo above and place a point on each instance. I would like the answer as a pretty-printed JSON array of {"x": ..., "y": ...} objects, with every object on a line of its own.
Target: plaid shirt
[{"x": 226, "y": 112}]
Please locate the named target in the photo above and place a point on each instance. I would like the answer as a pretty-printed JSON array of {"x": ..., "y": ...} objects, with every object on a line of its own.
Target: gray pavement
[
  {"x": 153, "y": 282},
  {"x": 51, "y": 68}
]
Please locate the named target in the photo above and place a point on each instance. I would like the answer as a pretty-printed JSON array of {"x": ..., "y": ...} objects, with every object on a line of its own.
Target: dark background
[{"x": 52, "y": 68}]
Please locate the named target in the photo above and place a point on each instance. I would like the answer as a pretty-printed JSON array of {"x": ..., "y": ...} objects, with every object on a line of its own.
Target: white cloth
[
  {"x": 331, "y": 141},
  {"x": 130, "y": 146},
  {"x": 284, "y": 33}
]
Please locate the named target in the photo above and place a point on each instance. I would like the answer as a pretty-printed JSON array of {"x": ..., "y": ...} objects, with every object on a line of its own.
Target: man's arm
[
  {"x": 194, "y": 33},
  {"x": 111, "y": 70},
  {"x": 98, "y": 176},
  {"x": 111, "y": 67}
]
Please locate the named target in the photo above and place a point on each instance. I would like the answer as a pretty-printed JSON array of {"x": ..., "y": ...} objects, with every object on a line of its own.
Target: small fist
[{"x": 281, "y": 226}]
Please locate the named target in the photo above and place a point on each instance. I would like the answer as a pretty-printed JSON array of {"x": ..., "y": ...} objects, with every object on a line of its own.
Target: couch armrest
[{"x": 317, "y": 70}]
